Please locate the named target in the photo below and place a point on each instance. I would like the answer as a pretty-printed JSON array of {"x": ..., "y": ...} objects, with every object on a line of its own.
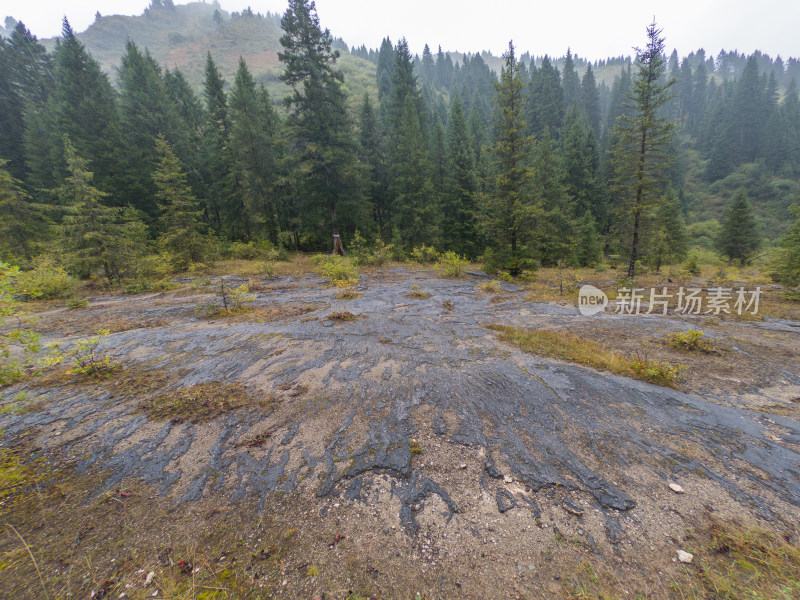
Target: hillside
[{"x": 179, "y": 37}]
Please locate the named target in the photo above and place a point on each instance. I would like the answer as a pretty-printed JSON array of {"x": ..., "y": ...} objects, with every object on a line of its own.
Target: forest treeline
[{"x": 522, "y": 168}]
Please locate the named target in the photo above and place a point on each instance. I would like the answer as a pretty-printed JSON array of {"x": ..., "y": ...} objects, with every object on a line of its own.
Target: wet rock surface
[{"x": 345, "y": 401}]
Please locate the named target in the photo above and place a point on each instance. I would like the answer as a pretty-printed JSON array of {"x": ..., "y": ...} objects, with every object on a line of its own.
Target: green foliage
[
  {"x": 690, "y": 340},
  {"x": 338, "y": 270},
  {"x": 691, "y": 266},
  {"x": 657, "y": 372},
  {"x": 510, "y": 207},
  {"x": 17, "y": 345},
  {"x": 425, "y": 254},
  {"x": 739, "y": 238},
  {"x": 76, "y": 302},
  {"x": 245, "y": 250},
  {"x": 22, "y": 223},
  {"x": 452, "y": 265},
  {"x": 668, "y": 243},
  {"x": 641, "y": 151},
  {"x": 787, "y": 263},
  {"x": 84, "y": 357},
  {"x": 182, "y": 229},
  {"x": 45, "y": 281}
]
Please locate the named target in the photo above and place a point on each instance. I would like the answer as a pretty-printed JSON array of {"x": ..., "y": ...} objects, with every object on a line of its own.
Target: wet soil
[{"x": 425, "y": 442}]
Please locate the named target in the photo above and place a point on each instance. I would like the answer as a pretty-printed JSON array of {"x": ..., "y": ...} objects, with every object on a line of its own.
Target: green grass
[{"x": 573, "y": 348}]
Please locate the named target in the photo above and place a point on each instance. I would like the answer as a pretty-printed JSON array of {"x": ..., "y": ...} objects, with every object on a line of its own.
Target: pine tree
[
  {"x": 556, "y": 231},
  {"x": 96, "y": 235},
  {"x": 591, "y": 100},
  {"x": 545, "y": 105},
  {"x": 144, "y": 115},
  {"x": 669, "y": 241},
  {"x": 182, "y": 234},
  {"x": 81, "y": 107},
  {"x": 322, "y": 142},
  {"x": 255, "y": 161},
  {"x": 589, "y": 246},
  {"x": 739, "y": 238},
  {"x": 459, "y": 200},
  {"x": 787, "y": 264},
  {"x": 22, "y": 223},
  {"x": 373, "y": 156},
  {"x": 511, "y": 212},
  {"x": 216, "y": 179},
  {"x": 571, "y": 82},
  {"x": 643, "y": 137}
]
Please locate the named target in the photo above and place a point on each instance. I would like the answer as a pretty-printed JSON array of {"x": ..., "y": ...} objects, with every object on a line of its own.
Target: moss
[{"x": 197, "y": 403}]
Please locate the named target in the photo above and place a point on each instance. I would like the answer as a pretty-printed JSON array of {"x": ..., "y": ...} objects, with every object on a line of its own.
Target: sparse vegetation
[
  {"x": 691, "y": 340},
  {"x": 197, "y": 403},
  {"x": 76, "y": 302},
  {"x": 451, "y": 264},
  {"x": 418, "y": 294},
  {"x": 18, "y": 346},
  {"x": 342, "y": 316},
  {"x": 338, "y": 270},
  {"x": 45, "y": 281},
  {"x": 490, "y": 287},
  {"x": 84, "y": 357},
  {"x": 572, "y": 348}
]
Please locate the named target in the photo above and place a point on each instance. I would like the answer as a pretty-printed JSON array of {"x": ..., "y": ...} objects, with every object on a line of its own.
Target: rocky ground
[{"x": 406, "y": 451}]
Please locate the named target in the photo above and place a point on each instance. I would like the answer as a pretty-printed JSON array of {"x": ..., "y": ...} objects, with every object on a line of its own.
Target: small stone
[
  {"x": 685, "y": 557},
  {"x": 508, "y": 479},
  {"x": 676, "y": 488},
  {"x": 149, "y": 579},
  {"x": 572, "y": 508},
  {"x": 463, "y": 466}
]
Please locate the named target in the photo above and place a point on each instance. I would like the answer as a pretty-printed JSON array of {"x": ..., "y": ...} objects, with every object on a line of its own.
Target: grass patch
[
  {"x": 418, "y": 294},
  {"x": 737, "y": 564},
  {"x": 572, "y": 348},
  {"x": 342, "y": 316},
  {"x": 198, "y": 403},
  {"x": 348, "y": 294},
  {"x": 490, "y": 287}
]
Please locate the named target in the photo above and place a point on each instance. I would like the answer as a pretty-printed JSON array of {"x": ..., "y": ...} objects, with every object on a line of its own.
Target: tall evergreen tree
[
  {"x": 255, "y": 161},
  {"x": 571, "y": 82},
  {"x": 459, "y": 200},
  {"x": 739, "y": 237},
  {"x": 590, "y": 100},
  {"x": 22, "y": 223},
  {"x": 511, "y": 212},
  {"x": 669, "y": 242},
  {"x": 322, "y": 141},
  {"x": 96, "y": 235},
  {"x": 373, "y": 156},
  {"x": 216, "y": 178},
  {"x": 545, "y": 105},
  {"x": 642, "y": 140},
  {"x": 182, "y": 232}
]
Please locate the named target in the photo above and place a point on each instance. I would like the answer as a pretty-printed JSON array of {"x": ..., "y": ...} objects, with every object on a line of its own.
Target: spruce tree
[
  {"x": 739, "y": 237},
  {"x": 545, "y": 106},
  {"x": 460, "y": 198},
  {"x": 322, "y": 142},
  {"x": 571, "y": 83},
  {"x": 373, "y": 156},
  {"x": 642, "y": 140},
  {"x": 254, "y": 153},
  {"x": 182, "y": 232},
  {"x": 556, "y": 231},
  {"x": 589, "y": 248},
  {"x": 96, "y": 235},
  {"x": 669, "y": 242},
  {"x": 590, "y": 100},
  {"x": 216, "y": 179},
  {"x": 787, "y": 263},
  {"x": 22, "y": 223},
  {"x": 511, "y": 211}
]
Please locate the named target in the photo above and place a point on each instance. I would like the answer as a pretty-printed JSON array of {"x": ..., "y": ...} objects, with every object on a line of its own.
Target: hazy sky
[{"x": 592, "y": 28}]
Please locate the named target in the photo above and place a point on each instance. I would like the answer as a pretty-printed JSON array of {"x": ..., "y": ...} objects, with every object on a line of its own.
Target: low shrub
[
  {"x": 245, "y": 250},
  {"x": 452, "y": 265},
  {"x": 425, "y": 254},
  {"x": 490, "y": 287},
  {"x": 45, "y": 281},
  {"x": 690, "y": 340},
  {"x": 77, "y": 302},
  {"x": 337, "y": 270},
  {"x": 84, "y": 357}
]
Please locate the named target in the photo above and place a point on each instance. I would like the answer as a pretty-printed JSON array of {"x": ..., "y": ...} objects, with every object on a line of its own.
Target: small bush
[
  {"x": 691, "y": 266},
  {"x": 46, "y": 280},
  {"x": 418, "y": 294},
  {"x": 452, "y": 265},
  {"x": 425, "y": 254},
  {"x": 338, "y": 271},
  {"x": 690, "y": 340},
  {"x": 348, "y": 294},
  {"x": 490, "y": 287},
  {"x": 17, "y": 346},
  {"x": 245, "y": 251},
  {"x": 658, "y": 372},
  {"x": 85, "y": 358},
  {"x": 77, "y": 302}
]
